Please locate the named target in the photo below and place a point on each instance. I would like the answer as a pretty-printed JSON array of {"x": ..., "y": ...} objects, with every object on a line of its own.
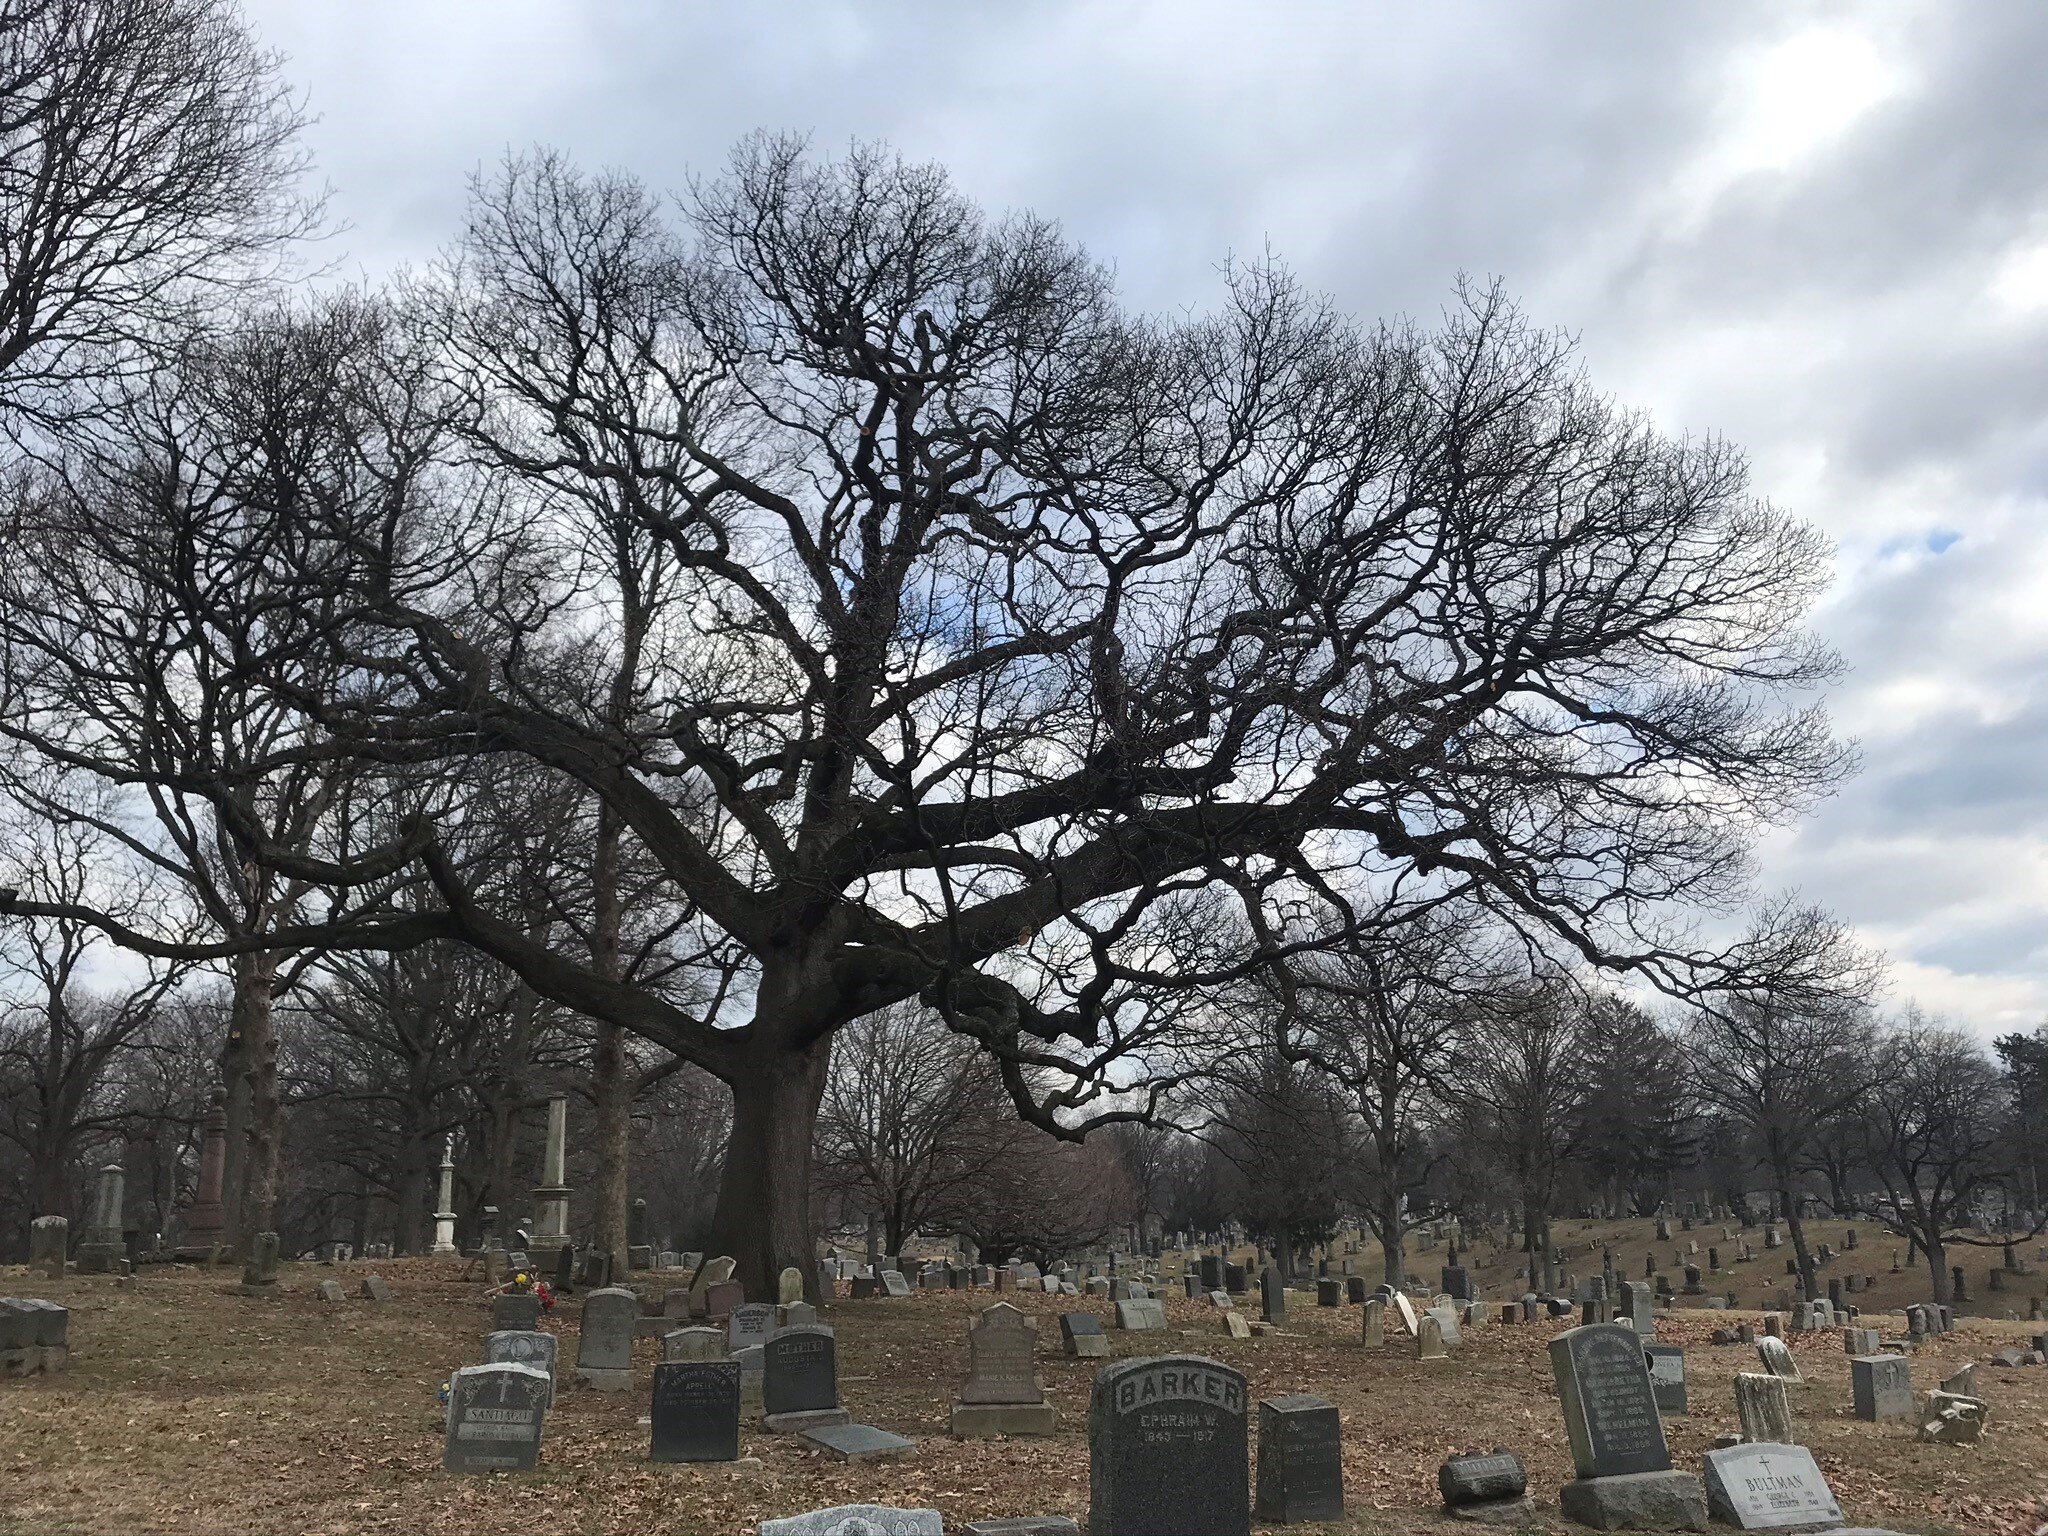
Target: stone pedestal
[
  {"x": 205, "y": 1225},
  {"x": 551, "y": 1199},
  {"x": 104, "y": 1251},
  {"x": 1636, "y": 1501},
  {"x": 444, "y": 1219}
]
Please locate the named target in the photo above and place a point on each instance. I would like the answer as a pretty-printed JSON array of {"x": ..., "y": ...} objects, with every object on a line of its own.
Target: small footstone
[
  {"x": 1023, "y": 1525},
  {"x": 330, "y": 1290},
  {"x": 1509, "y": 1512},
  {"x": 1636, "y": 1501},
  {"x": 376, "y": 1288},
  {"x": 857, "y": 1442},
  {"x": 857, "y": 1520}
]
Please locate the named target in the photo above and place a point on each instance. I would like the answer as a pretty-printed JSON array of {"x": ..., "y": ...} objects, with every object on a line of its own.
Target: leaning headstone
[
  {"x": 1301, "y": 1461},
  {"x": 1777, "y": 1358},
  {"x": 495, "y": 1417},
  {"x": 1082, "y": 1334},
  {"x": 1666, "y": 1364},
  {"x": 518, "y": 1347},
  {"x": 1882, "y": 1386},
  {"x": 857, "y": 1520},
  {"x": 330, "y": 1290},
  {"x": 1001, "y": 1395},
  {"x": 696, "y": 1410},
  {"x": 1404, "y": 1309},
  {"x": 1167, "y": 1449},
  {"x": 1625, "y": 1477},
  {"x": 1761, "y": 1408},
  {"x": 713, "y": 1271},
  {"x": 800, "y": 1380},
  {"x": 1758, "y": 1487},
  {"x": 604, "y": 1344}
]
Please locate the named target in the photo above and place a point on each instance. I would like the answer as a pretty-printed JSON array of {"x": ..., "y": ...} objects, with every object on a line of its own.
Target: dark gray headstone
[
  {"x": 856, "y": 1442},
  {"x": 1610, "y": 1411},
  {"x": 1082, "y": 1333},
  {"x": 495, "y": 1417},
  {"x": 514, "y": 1311},
  {"x": 1481, "y": 1479},
  {"x": 1167, "y": 1449},
  {"x": 696, "y": 1410},
  {"x": 800, "y": 1371},
  {"x": 1301, "y": 1460},
  {"x": 524, "y": 1347},
  {"x": 1882, "y": 1386}
]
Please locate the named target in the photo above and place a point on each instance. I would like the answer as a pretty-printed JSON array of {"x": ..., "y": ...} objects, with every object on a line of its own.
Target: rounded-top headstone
[{"x": 1168, "y": 1449}]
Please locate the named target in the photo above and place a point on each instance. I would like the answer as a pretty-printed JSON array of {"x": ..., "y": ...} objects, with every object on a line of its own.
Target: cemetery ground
[{"x": 188, "y": 1408}]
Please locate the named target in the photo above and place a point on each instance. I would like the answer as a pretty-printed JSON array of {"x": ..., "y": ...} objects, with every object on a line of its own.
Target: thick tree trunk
[
  {"x": 611, "y": 1095},
  {"x": 763, "y": 1219},
  {"x": 1937, "y": 1268},
  {"x": 256, "y": 1209},
  {"x": 1393, "y": 1243}
]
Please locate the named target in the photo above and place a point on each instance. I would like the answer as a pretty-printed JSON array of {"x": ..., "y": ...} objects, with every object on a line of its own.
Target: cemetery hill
[{"x": 759, "y": 852}]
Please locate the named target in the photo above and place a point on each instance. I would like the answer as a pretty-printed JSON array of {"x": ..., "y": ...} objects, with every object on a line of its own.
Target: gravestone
[
  {"x": 1082, "y": 1333},
  {"x": 857, "y": 1520},
  {"x": 696, "y": 1410},
  {"x": 713, "y": 1271},
  {"x": 750, "y": 1323},
  {"x": 1001, "y": 1395},
  {"x": 1141, "y": 1316},
  {"x": 1167, "y": 1449},
  {"x": 1429, "y": 1339},
  {"x": 1882, "y": 1386},
  {"x": 1301, "y": 1462},
  {"x": 1625, "y": 1477},
  {"x": 49, "y": 1239},
  {"x": 789, "y": 1286},
  {"x": 1492, "y": 1487},
  {"x": 1404, "y": 1309},
  {"x": 694, "y": 1344},
  {"x": 495, "y": 1417},
  {"x": 330, "y": 1290},
  {"x": 376, "y": 1288},
  {"x": 1761, "y": 1409},
  {"x": 514, "y": 1311},
  {"x": 1777, "y": 1358},
  {"x": 1374, "y": 1327},
  {"x": 722, "y": 1298},
  {"x": 1354, "y": 1289},
  {"x": 800, "y": 1380},
  {"x": 604, "y": 1342},
  {"x": 259, "y": 1273},
  {"x": 1667, "y": 1377},
  {"x": 1768, "y": 1488},
  {"x": 856, "y": 1442},
  {"x": 520, "y": 1347},
  {"x": 1272, "y": 1295}
]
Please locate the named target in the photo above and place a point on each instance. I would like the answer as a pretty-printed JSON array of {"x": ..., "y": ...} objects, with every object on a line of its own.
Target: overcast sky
[{"x": 1821, "y": 231}]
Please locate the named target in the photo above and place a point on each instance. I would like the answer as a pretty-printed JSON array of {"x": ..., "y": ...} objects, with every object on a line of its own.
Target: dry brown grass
[{"x": 188, "y": 1409}]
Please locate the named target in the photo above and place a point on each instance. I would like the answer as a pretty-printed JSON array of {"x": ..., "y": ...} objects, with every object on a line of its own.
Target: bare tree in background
[
  {"x": 1783, "y": 1056},
  {"x": 149, "y": 169}
]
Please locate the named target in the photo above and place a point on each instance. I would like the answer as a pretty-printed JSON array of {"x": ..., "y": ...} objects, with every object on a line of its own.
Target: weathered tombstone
[
  {"x": 1882, "y": 1386},
  {"x": 1762, "y": 1409},
  {"x": 1625, "y": 1477},
  {"x": 604, "y": 1343},
  {"x": 857, "y": 1520},
  {"x": 1374, "y": 1328},
  {"x": 721, "y": 1298},
  {"x": 259, "y": 1271},
  {"x": 1354, "y": 1289},
  {"x": 713, "y": 1271},
  {"x": 789, "y": 1286},
  {"x": 795, "y": 1314},
  {"x": 49, "y": 1239},
  {"x": 376, "y": 1288},
  {"x": 103, "y": 1252},
  {"x": 1953, "y": 1419},
  {"x": 1758, "y": 1487},
  {"x": 330, "y": 1291},
  {"x": 1082, "y": 1333},
  {"x": 895, "y": 1285},
  {"x": 1141, "y": 1316},
  {"x": 800, "y": 1380},
  {"x": 1167, "y": 1449},
  {"x": 696, "y": 1411},
  {"x": 1330, "y": 1293},
  {"x": 514, "y": 1310},
  {"x": 1429, "y": 1339},
  {"x": 1001, "y": 1395},
  {"x": 694, "y": 1344},
  {"x": 1777, "y": 1358},
  {"x": 495, "y": 1417},
  {"x": 1272, "y": 1295},
  {"x": 1301, "y": 1461},
  {"x": 750, "y": 1323},
  {"x": 1666, "y": 1364},
  {"x": 1492, "y": 1487}
]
